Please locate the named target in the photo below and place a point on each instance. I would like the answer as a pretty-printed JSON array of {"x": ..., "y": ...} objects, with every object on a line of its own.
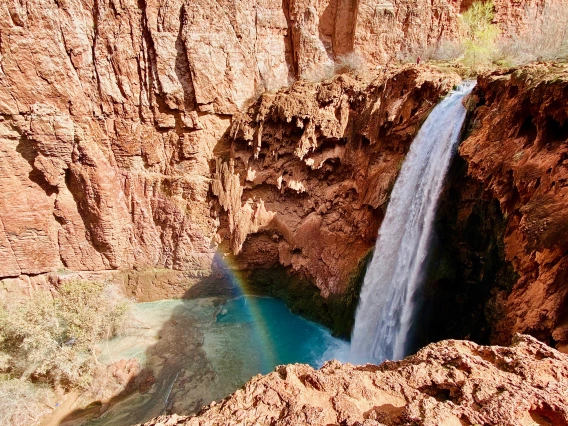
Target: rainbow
[{"x": 261, "y": 332}]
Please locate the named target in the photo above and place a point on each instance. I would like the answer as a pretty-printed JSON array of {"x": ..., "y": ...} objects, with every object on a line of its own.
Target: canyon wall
[
  {"x": 305, "y": 180},
  {"x": 134, "y": 145},
  {"x": 518, "y": 150},
  {"x": 110, "y": 112}
]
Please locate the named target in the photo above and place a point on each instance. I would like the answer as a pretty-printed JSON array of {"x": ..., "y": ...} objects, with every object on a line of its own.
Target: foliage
[
  {"x": 22, "y": 403},
  {"x": 481, "y": 35},
  {"x": 30, "y": 334},
  {"x": 54, "y": 338},
  {"x": 350, "y": 62},
  {"x": 543, "y": 36},
  {"x": 90, "y": 312},
  {"x": 446, "y": 51}
]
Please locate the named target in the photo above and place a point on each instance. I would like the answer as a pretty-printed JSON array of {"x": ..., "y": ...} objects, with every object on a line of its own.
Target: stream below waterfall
[{"x": 202, "y": 350}]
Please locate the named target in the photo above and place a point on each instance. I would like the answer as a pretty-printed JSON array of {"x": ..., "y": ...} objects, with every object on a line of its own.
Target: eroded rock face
[
  {"x": 110, "y": 112},
  {"x": 113, "y": 118},
  {"x": 311, "y": 168},
  {"x": 518, "y": 149},
  {"x": 105, "y": 152},
  {"x": 447, "y": 383}
]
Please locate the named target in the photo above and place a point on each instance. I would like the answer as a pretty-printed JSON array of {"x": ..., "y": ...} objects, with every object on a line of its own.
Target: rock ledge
[{"x": 447, "y": 383}]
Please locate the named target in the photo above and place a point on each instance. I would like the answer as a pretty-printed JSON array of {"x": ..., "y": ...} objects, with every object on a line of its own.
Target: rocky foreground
[{"x": 447, "y": 383}]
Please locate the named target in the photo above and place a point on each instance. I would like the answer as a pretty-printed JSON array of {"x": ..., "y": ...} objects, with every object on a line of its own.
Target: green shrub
[
  {"x": 90, "y": 312},
  {"x": 480, "y": 35},
  {"x": 544, "y": 36}
]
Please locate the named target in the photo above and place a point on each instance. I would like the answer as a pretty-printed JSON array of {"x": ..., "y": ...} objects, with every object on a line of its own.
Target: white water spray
[{"x": 388, "y": 303}]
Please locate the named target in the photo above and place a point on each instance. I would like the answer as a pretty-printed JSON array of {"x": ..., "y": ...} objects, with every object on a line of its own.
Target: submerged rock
[{"x": 447, "y": 383}]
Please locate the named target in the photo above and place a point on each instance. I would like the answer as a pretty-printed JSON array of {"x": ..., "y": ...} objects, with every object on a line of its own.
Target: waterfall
[{"x": 389, "y": 297}]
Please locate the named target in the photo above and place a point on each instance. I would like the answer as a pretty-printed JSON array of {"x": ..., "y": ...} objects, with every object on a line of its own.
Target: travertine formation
[
  {"x": 111, "y": 111},
  {"x": 518, "y": 149},
  {"x": 311, "y": 169},
  {"x": 447, "y": 383},
  {"x": 133, "y": 145}
]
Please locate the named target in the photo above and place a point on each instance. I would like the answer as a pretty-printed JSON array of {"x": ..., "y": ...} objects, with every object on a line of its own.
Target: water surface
[{"x": 204, "y": 349}]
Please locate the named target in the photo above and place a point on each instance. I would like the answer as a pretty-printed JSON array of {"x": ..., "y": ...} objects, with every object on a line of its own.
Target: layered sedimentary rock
[
  {"x": 110, "y": 112},
  {"x": 518, "y": 149},
  {"x": 447, "y": 383},
  {"x": 104, "y": 148}
]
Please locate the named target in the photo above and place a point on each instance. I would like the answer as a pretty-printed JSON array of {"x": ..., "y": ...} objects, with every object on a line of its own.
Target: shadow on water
[
  {"x": 176, "y": 374},
  {"x": 202, "y": 349}
]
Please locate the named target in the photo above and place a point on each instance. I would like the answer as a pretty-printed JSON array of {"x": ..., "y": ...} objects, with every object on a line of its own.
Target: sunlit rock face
[
  {"x": 117, "y": 120},
  {"x": 447, "y": 383},
  {"x": 518, "y": 150},
  {"x": 110, "y": 114},
  {"x": 311, "y": 168}
]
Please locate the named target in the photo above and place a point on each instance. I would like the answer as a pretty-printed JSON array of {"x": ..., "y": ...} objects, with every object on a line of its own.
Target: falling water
[{"x": 389, "y": 298}]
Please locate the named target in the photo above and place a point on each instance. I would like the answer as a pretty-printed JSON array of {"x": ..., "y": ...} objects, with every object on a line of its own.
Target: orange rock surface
[
  {"x": 110, "y": 112},
  {"x": 118, "y": 120},
  {"x": 518, "y": 149},
  {"x": 447, "y": 383},
  {"x": 310, "y": 170}
]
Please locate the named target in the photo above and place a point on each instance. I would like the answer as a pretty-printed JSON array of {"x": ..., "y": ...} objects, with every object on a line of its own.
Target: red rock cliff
[
  {"x": 518, "y": 149},
  {"x": 114, "y": 119},
  {"x": 110, "y": 112},
  {"x": 310, "y": 170}
]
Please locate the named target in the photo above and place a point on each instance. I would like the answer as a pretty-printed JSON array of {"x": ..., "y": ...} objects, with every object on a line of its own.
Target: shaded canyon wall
[{"x": 518, "y": 150}]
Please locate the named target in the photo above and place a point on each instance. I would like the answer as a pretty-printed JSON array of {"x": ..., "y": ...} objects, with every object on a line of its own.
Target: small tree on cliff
[{"x": 481, "y": 34}]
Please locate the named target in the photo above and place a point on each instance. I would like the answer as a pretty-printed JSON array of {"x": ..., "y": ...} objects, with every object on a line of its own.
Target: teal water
[
  {"x": 202, "y": 350},
  {"x": 282, "y": 337}
]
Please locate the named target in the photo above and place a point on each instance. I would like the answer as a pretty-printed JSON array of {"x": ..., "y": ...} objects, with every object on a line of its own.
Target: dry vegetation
[
  {"x": 549, "y": 41},
  {"x": 483, "y": 46},
  {"x": 351, "y": 62},
  {"x": 49, "y": 343},
  {"x": 24, "y": 403}
]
